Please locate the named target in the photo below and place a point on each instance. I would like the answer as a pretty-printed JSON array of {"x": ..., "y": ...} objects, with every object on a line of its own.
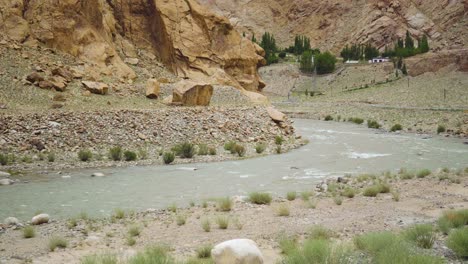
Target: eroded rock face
[
  {"x": 189, "y": 93},
  {"x": 433, "y": 62},
  {"x": 190, "y": 40}
]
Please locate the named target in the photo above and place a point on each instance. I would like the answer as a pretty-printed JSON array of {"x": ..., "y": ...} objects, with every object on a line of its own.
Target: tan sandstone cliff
[{"x": 186, "y": 37}]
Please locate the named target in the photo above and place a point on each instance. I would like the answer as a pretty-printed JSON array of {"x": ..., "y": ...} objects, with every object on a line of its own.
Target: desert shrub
[
  {"x": 441, "y": 129},
  {"x": 85, "y": 155},
  {"x": 291, "y": 196},
  {"x": 287, "y": 244},
  {"x": 134, "y": 231},
  {"x": 172, "y": 208},
  {"x": 356, "y": 120},
  {"x": 100, "y": 259},
  {"x": 57, "y": 242},
  {"x": 328, "y": 118},
  {"x": 240, "y": 150},
  {"x": 260, "y": 198},
  {"x": 29, "y": 232},
  {"x": 168, "y": 157},
  {"x": 373, "y": 243},
  {"x": 422, "y": 235},
  {"x": 319, "y": 232},
  {"x": 185, "y": 150},
  {"x": 130, "y": 241},
  {"x": 373, "y": 124},
  {"x": 384, "y": 188},
  {"x": 282, "y": 210},
  {"x": 349, "y": 192},
  {"x": 222, "y": 221},
  {"x": 458, "y": 242},
  {"x": 228, "y": 146},
  {"x": 143, "y": 154},
  {"x": 51, "y": 157},
  {"x": 319, "y": 252},
  {"x": 130, "y": 155},
  {"x": 225, "y": 204},
  {"x": 406, "y": 175},
  {"x": 423, "y": 173},
  {"x": 371, "y": 191},
  {"x": 153, "y": 255},
  {"x": 279, "y": 140},
  {"x": 202, "y": 149},
  {"x": 260, "y": 148},
  {"x": 400, "y": 253},
  {"x": 116, "y": 153},
  {"x": 4, "y": 159},
  {"x": 396, "y": 127},
  {"x": 278, "y": 149},
  {"x": 206, "y": 225},
  {"x": 312, "y": 204},
  {"x": 452, "y": 219},
  {"x": 338, "y": 200},
  {"x": 396, "y": 196},
  {"x": 181, "y": 220},
  {"x": 119, "y": 213},
  {"x": 204, "y": 251},
  {"x": 212, "y": 151},
  {"x": 305, "y": 195}
]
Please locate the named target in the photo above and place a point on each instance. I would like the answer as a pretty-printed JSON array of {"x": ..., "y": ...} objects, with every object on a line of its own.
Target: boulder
[
  {"x": 45, "y": 85},
  {"x": 4, "y": 174},
  {"x": 40, "y": 219},
  {"x": 191, "y": 93},
  {"x": 11, "y": 221},
  {"x": 132, "y": 61},
  {"x": 256, "y": 98},
  {"x": 275, "y": 115},
  {"x": 98, "y": 174},
  {"x": 96, "y": 87},
  {"x": 237, "y": 251},
  {"x": 58, "y": 83},
  {"x": 5, "y": 182},
  {"x": 152, "y": 89},
  {"x": 62, "y": 72},
  {"x": 34, "y": 77}
]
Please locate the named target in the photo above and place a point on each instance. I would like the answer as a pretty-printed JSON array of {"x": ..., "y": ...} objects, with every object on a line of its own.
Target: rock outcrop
[
  {"x": 190, "y": 93},
  {"x": 190, "y": 40},
  {"x": 433, "y": 62}
]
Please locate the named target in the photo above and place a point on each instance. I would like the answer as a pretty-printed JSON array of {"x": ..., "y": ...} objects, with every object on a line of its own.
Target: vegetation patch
[
  {"x": 373, "y": 124},
  {"x": 260, "y": 198},
  {"x": 168, "y": 157},
  {"x": 85, "y": 155},
  {"x": 356, "y": 120},
  {"x": 29, "y": 232},
  {"x": 453, "y": 219},
  {"x": 422, "y": 235},
  {"x": 458, "y": 242},
  {"x": 130, "y": 155},
  {"x": 116, "y": 153},
  {"x": 291, "y": 196},
  {"x": 396, "y": 127},
  {"x": 282, "y": 210},
  {"x": 225, "y": 204},
  {"x": 423, "y": 173},
  {"x": 260, "y": 147},
  {"x": 57, "y": 242}
]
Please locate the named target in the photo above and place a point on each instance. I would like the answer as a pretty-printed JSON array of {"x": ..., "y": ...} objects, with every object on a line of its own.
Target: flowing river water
[{"x": 334, "y": 150}]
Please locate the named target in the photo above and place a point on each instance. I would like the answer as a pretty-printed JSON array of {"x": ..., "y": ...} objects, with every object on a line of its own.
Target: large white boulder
[
  {"x": 6, "y": 182},
  {"x": 40, "y": 219},
  {"x": 237, "y": 251},
  {"x": 11, "y": 221}
]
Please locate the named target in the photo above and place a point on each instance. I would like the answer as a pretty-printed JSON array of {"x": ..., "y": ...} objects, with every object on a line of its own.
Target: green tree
[
  {"x": 325, "y": 63},
  {"x": 269, "y": 45},
  {"x": 306, "y": 61},
  {"x": 409, "y": 42},
  {"x": 254, "y": 40},
  {"x": 424, "y": 46},
  {"x": 370, "y": 52}
]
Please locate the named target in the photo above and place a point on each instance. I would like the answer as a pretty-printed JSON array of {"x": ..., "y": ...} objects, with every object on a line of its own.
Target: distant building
[{"x": 379, "y": 60}]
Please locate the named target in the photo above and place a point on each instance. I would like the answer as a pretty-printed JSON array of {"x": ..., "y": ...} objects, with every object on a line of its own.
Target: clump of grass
[
  {"x": 4, "y": 159},
  {"x": 72, "y": 223},
  {"x": 85, "y": 155},
  {"x": 373, "y": 124},
  {"x": 237, "y": 223},
  {"x": 168, "y": 157},
  {"x": 373, "y": 243},
  {"x": 115, "y": 153},
  {"x": 143, "y": 153},
  {"x": 119, "y": 213},
  {"x": 338, "y": 200},
  {"x": 441, "y": 129},
  {"x": 228, "y": 146},
  {"x": 452, "y": 219},
  {"x": 130, "y": 241},
  {"x": 319, "y": 232},
  {"x": 445, "y": 170},
  {"x": 279, "y": 140},
  {"x": 51, "y": 157},
  {"x": 29, "y": 232},
  {"x": 134, "y": 231},
  {"x": 328, "y": 118},
  {"x": 396, "y": 127},
  {"x": 57, "y": 242},
  {"x": 260, "y": 198},
  {"x": 202, "y": 149},
  {"x": 318, "y": 252},
  {"x": 305, "y": 195},
  {"x": 222, "y": 221},
  {"x": 356, "y": 120},
  {"x": 371, "y": 191},
  {"x": 239, "y": 150},
  {"x": 406, "y": 175},
  {"x": 204, "y": 251},
  {"x": 349, "y": 192},
  {"x": 130, "y": 155},
  {"x": 395, "y": 196},
  {"x": 205, "y": 204},
  {"x": 423, "y": 173},
  {"x": 153, "y": 255},
  {"x": 100, "y": 259},
  {"x": 225, "y": 204},
  {"x": 181, "y": 220},
  {"x": 206, "y": 225},
  {"x": 458, "y": 242},
  {"x": 384, "y": 188},
  {"x": 212, "y": 151},
  {"x": 287, "y": 244},
  {"x": 185, "y": 150},
  {"x": 260, "y": 147},
  {"x": 278, "y": 149},
  {"x": 172, "y": 208},
  {"x": 291, "y": 196},
  {"x": 312, "y": 204},
  {"x": 422, "y": 235},
  {"x": 282, "y": 210}
]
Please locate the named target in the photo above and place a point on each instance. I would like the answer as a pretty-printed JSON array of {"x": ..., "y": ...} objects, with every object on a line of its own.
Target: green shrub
[
  {"x": 441, "y": 129},
  {"x": 305, "y": 195},
  {"x": 240, "y": 150},
  {"x": 319, "y": 232},
  {"x": 206, "y": 225},
  {"x": 29, "y": 232},
  {"x": 373, "y": 243},
  {"x": 396, "y": 127},
  {"x": 130, "y": 155},
  {"x": 172, "y": 208},
  {"x": 51, "y": 157},
  {"x": 202, "y": 149},
  {"x": 181, "y": 220},
  {"x": 356, "y": 120},
  {"x": 371, "y": 191},
  {"x": 422, "y": 235},
  {"x": 328, "y": 118},
  {"x": 453, "y": 219},
  {"x": 130, "y": 241},
  {"x": 260, "y": 198},
  {"x": 57, "y": 242},
  {"x": 384, "y": 188},
  {"x": 278, "y": 149},
  {"x": 228, "y": 146},
  {"x": 186, "y": 150},
  {"x": 291, "y": 196},
  {"x": 85, "y": 155},
  {"x": 116, "y": 153},
  {"x": 119, "y": 213},
  {"x": 423, "y": 173},
  {"x": 222, "y": 221},
  {"x": 279, "y": 140},
  {"x": 100, "y": 259},
  {"x": 225, "y": 204},
  {"x": 458, "y": 242},
  {"x": 373, "y": 124},
  {"x": 152, "y": 255},
  {"x": 4, "y": 159},
  {"x": 338, "y": 200},
  {"x": 282, "y": 210},
  {"x": 212, "y": 151},
  {"x": 349, "y": 192},
  {"x": 168, "y": 157},
  {"x": 143, "y": 154},
  {"x": 287, "y": 244},
  {"x": 260, "y": 148},
  {"x": 406, "y": 175},
  {"x": 204, "y": 251},
  {"x": 319, "y": 252},
  {"x": 134, "y": 231}
]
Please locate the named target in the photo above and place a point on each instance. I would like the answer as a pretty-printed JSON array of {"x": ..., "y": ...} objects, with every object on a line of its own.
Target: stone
[
  {"x": 132, "y": 61},
  {"x": 40, "y": 219},
  {"x": 4, "y": 174},
  {"x": 189, "y": 93},
  {"x": 163, "y": 80},
  {"x": 34, "y": 77},
  {"x": 77, "y": 73},
  {"x": 96, "y": 87},
  {"x": 59, "y": 98},
  {"x": 64, "y": 73},
  {"x": 5, "y": 182},
  {"x": 11, "y": 221},
  {"x": 153, "y": 89},
  {"x": 45, "y": 85},
  {"x": 275, "y": 115},
  {"x": 237, "y": 251},
  {"x": 98, "y": 174},
  {"x": 58, "y": 83}
]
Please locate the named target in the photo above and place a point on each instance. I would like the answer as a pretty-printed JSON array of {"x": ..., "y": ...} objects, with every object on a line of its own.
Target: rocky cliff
[
  {"x": 186, "y": 37},
  {"x": 331, "y": 24}
]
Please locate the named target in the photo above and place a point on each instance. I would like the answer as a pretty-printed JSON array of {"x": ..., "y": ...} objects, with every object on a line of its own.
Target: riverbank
[{"x": 344, "y": 205}]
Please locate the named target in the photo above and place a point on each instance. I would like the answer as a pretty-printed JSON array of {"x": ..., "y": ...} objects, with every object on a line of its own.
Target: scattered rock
[
  {"x": 58, "y": 83},
  {"x": 190, "y": 93},
  {"x": 45, "y": 85},
  {"x": 96, "y": 87},
  {"x": 132, "y": 61},
  {"x": 5, "y": 182},
  {"x": 152, "y": 89},
  {"x": 64, "y": 73},
  {"x": 98, "y": 174},
  {"x": 40, "y": 219},
  {"x": 237, "y": 251},
  {"x": 12, "y": 221},
  {"x": 276, "y": 115},
  {"x": 34, "y": 77},
  {"x": 4, "y": 174},
  {"x": 59, "y": 98}
]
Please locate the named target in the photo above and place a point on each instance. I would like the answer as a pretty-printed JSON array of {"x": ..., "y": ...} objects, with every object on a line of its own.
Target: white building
[{"x": 379, "y": 60}]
